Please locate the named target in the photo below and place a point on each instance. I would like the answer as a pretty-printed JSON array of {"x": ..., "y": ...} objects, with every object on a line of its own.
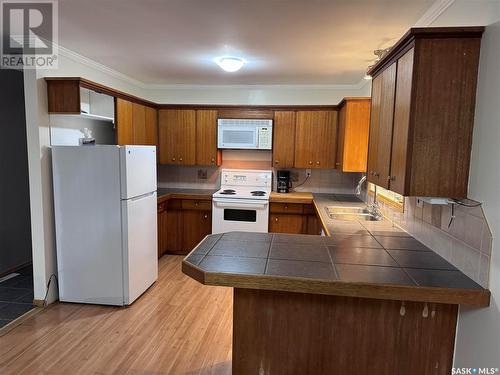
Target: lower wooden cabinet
[
  {"x": 293, "y": 218},
  {"x": 182, "y": 224}
]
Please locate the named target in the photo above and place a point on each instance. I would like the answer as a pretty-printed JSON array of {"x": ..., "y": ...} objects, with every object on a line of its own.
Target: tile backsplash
[
  {"x": 321, "y": 180},
  {"x": 465, "y": 241}
]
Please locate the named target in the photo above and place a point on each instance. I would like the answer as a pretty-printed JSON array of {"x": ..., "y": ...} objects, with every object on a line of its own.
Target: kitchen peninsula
[{"x": 349, "y": 303}]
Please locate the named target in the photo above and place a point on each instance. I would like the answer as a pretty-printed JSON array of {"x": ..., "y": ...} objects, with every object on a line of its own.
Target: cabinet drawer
[
  {"x": 192, "y": 204},
  {"x": 286, "y": 208},
  {"x": 174, "y": 204}
]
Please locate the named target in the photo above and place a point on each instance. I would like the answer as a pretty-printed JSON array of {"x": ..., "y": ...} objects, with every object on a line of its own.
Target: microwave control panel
[{"x": 265, "y": 138}]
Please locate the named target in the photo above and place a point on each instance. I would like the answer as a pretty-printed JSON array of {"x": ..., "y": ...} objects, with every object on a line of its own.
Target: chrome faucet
[{"x": 357, "y": 191}]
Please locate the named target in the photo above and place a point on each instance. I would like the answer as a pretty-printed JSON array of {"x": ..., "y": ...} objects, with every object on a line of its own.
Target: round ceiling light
[{"x": 229, "y": 63}]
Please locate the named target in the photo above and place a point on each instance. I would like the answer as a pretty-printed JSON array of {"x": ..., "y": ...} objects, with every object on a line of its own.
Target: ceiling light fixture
[{"x": 230, "y": 63}]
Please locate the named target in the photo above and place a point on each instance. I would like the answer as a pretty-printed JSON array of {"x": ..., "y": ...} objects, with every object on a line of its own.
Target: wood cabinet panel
[
  {"x": 284, "y": 139},
  {"x": 374, "y": 130},
  {"x": 285, "y": 223},
  {"x": 177, "y": 136},
  {"x": 286, "y": 208},
  {"x": 385, "y": 125},
  {"x": 139, "y": 124},
  {"x": 63, "y": 96},
  {"x": 124, "y": 122},
  {"x": 192, "y": 204},
  {"x": 174, "y": 228},
  {"x": 195, "y": 226},
  {"x": 315, "y": 139},
  {"x": 352, "y": 145},
  {"x": 206, "y": 137},
  {"x": 163, "y": 230},
  {"x": 151, "y": 127},
  {"x": 400, "y": 144}
]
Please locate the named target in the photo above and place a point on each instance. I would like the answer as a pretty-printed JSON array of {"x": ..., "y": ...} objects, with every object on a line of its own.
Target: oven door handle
[{"x": 237, "y": 205}]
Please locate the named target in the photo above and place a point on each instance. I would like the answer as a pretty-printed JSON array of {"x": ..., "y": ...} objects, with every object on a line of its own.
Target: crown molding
[
  {"x": 153, "y": 86},
  {"x": 433, "y": 12}
]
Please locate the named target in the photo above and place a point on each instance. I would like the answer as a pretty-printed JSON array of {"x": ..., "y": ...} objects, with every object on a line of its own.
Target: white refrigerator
[{"x": 105, "y": 217}]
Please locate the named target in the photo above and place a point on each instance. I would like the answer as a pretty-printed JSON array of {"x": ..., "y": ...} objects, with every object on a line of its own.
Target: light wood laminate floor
[{"x": 177, "y": 327}]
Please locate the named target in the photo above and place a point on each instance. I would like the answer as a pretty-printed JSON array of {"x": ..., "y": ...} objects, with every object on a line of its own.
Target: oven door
[
  {"x": 230, "y": 215},
  {"x": 244, "y": 137}
]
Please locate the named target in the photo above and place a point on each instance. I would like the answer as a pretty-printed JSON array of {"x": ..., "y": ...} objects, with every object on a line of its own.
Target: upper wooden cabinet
[
  {"x": 136, "y": 124},
  {"x": 177, "y": 130},
  {"x": 206, "y": 137},
  {"x": 423, "y": 100},
  {"x": 352, "y": 140},
  {"x": 284, "y": 139},
  {"x": 315, "y": 139}
]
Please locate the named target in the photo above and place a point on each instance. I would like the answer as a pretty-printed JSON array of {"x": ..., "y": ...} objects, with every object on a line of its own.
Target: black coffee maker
[{"x": 284, "y": 182}]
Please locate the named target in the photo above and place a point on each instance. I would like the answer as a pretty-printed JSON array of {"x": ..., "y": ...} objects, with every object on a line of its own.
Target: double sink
[{"x": 351, "y": 213}]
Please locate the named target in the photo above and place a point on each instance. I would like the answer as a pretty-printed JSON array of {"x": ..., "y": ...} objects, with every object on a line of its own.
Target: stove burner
[
  {"x": 228, "y": 192},
  {"x": 258, "y": 193}
]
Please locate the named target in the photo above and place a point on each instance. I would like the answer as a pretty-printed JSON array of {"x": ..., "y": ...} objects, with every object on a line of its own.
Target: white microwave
[{"x": 245, "y": 134}]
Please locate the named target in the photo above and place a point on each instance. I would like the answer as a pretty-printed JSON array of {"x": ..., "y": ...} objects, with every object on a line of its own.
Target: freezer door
[
  {"x": 138, "y": 170},
  {"x": 139, "y": 245}
]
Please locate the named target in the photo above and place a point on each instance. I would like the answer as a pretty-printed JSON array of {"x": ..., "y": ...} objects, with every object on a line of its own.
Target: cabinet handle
[
  {"x": 196, "y": 203},
  {"x": 276, "y": 162},
  {"x": 173, "y": 159},
  {"x": 180, "y": 159},
  {"x": 310, "y": 162},
  {"x": 391, "y": 178},
  {"x": 213, "y": 160},
  {"x": 376, "y": 174},
  {"x": 276, "y": 219},
  {"x": 205, "y": 216},
  {"x": 337, "y": 164},
  {"x": 317, "y": 163},
  {"x": 286, "y": 207}
]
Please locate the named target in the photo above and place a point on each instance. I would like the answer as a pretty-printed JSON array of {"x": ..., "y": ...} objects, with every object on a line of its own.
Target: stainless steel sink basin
[{"x": 351, "y": 213}]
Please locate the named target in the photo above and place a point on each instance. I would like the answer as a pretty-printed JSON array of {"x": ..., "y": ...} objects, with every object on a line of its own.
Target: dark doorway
[{"x": 16, "y": 269}]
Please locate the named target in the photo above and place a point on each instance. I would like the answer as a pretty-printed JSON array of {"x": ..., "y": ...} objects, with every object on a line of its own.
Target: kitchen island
[{"x": 347, "y": 304}]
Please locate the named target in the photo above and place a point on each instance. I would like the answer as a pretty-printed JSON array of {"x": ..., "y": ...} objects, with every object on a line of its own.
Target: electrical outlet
[
  {"x": 420, "y": 203},
  {"x": 308, "y": 173},
  {"x": 202, "y": 174}
]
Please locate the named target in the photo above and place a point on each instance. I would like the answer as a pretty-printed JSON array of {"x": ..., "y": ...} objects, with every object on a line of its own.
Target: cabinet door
[
  {"x": 284, "y": 139},
  {"x": 315, "y": 139},
  {"x": 174, "y": 232},
  {"x": 383, "y": 92},
  {"x": 195, "y": 226},
  {"x": 284, "y": 223},
  {"x": 139, "y": 123},
  {"x": 385, "y": 126},
  {"x": 206, "y": 137},
  {"x": 374, "y": 130},
  {"x": 124, "y": 122},
  {"x": 177, "y": 136},
  {"x": 402, "y": 106},
  {"x": 151, "y": 127},
  {"x": 354, "y": 122}
]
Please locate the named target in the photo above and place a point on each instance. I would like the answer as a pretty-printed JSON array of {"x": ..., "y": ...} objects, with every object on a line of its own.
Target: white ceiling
[{"x": 328, "y": 42}]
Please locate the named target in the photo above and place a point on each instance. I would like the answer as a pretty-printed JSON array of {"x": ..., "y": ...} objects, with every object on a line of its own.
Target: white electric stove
[{"x": 242, "y": 203}]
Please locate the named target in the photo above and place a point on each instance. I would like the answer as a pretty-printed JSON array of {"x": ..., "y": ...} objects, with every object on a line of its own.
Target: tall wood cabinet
[
  {"x": 423, "y": 99},
  {"x": 315, "y": 139},
  {"x": 136, "y": 124},
  {"x": 352, "y": 139},
  {"x": 284, "y": 139}
]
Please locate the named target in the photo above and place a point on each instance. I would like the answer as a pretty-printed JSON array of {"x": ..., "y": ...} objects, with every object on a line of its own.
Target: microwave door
[{"x": 234, "y": 137}]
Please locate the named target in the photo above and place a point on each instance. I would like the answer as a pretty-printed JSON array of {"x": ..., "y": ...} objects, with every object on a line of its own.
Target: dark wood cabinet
[
  {"x": 352, "y": 139},
  {"x": 284, "y": 139},
  {"x": 136, "y": 124},
  {"x": 423, "y": 98},
  {"x": 206, "y": 138},
  {"x": 295, "y": 218},
  {"x": 177, "y": 136},
  {"x": 315, "y": 139},
  {"x": 182, "y": 224}
]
